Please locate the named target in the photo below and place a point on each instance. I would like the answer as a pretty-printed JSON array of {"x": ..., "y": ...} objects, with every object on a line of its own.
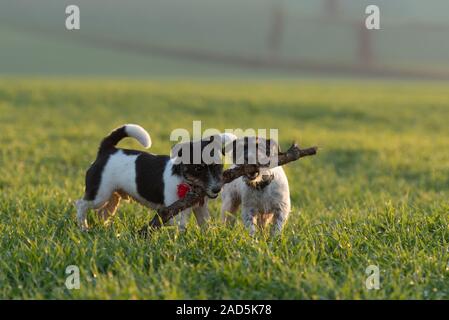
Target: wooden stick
[
  {"x": 292, "y": 154},
  {"x": 197, "y": 195}
]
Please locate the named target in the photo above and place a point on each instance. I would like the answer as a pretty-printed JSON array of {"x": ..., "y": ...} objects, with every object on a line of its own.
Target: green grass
[{"x": 376, "y": 194}]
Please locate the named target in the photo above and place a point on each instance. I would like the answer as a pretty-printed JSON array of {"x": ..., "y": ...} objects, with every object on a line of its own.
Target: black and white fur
[
  {"x": 150, "y": 179},
  {"x": 264, "y": 196}
]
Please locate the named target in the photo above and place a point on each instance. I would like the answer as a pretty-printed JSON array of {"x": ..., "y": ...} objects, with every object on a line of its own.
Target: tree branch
[{"x": 196, "y": 195}]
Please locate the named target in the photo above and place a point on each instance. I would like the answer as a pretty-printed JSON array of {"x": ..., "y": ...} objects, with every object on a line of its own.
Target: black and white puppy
[{"x": 152, "y": 180}]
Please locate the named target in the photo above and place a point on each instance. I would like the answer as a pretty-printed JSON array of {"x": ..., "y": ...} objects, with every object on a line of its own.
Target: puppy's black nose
[{"x": 216, "y": 190}]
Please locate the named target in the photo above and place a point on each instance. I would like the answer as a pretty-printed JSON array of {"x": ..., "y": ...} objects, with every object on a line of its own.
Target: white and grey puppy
[
  {"x": 264, "y": 196},
  {"x": 152, "y": 180}
]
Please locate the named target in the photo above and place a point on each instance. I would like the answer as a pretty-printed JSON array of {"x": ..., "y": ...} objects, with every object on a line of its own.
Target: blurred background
[
  {"x": 376, "y": 194},
  {"x": 225, "y": 39}
]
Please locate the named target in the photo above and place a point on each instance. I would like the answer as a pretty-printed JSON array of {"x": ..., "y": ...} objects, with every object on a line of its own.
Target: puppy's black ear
[
  {"x": 178, "y": 149},
  {"x": 179, "y": 153},
  {"x": 223, "y": 150},
  {"x": 214, "y": 145},
  {"x": 230, "y": 149},
  {"x": 207, "y": 141}
]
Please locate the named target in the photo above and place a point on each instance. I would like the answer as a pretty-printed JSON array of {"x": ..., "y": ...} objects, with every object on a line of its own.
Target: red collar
[{"x": 182, "y": 190}]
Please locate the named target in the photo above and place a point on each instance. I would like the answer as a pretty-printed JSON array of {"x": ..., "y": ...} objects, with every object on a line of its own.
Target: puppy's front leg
[
  {"x": 248, "y": 216},
  {"x": 229, "y": 209},
  {"x": 202, "y": 214},
  {"x": 82, "y": 206},
  {"x": 182, "y": 219},
  {"x": 280, "y": 218}
]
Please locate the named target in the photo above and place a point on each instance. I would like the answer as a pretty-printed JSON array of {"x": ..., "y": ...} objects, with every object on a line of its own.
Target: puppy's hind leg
[
  {"x": 280, "y": 218},
  {"x": 108, "y": 210},
  {"x": 248, "y": 215},
  {"x": 82, "y": 206}
]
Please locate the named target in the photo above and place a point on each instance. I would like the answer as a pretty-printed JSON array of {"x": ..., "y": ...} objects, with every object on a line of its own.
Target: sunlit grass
[{"x": 376, "y": 194}]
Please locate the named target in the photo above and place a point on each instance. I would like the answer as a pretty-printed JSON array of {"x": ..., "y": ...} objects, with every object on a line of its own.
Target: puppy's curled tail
[{"x": 128, "y": 130}]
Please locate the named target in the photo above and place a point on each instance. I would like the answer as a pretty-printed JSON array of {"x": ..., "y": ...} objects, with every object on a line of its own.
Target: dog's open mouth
[
  {"x": 209, "y": 193},
  {"x": 212, "y": 195},
  {"x": 252, "y": 176}
]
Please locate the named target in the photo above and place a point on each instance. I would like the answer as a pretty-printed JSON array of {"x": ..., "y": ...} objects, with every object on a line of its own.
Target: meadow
[{"x": 376, "y": 193}]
